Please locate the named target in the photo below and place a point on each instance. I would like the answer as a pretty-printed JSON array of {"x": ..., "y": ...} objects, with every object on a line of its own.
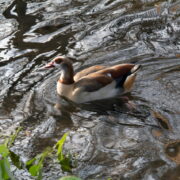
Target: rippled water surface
[{"x": 110, "y": 139}]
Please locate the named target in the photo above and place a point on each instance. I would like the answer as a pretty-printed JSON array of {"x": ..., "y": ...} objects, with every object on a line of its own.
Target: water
[{"x": 110, "y": 139}]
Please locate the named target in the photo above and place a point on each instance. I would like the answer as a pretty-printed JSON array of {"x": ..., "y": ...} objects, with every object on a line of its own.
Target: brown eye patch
[{"x": 58, "y": 60}]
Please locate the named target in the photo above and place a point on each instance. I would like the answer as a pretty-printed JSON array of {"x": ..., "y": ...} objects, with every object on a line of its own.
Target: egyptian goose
[{"x": 93, "y": 83}]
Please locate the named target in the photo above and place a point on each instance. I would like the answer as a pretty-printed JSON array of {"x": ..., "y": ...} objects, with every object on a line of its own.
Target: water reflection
[
  {"x": 110, "y": 138},
  {"x": 17, "y": 10}
]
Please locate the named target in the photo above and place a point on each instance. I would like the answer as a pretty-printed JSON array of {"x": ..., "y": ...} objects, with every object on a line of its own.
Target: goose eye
[{"x": 58, "y": 61}]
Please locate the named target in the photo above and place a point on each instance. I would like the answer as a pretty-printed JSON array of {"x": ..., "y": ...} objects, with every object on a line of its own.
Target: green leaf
[
  {"x": 66, "y": 164},
  {"x": 3, "y": 172},
  {"x": 35, "y": 169},
  {"x": 59, "y": 146},
  {"x": 69, "y": 178},
  {"x": 5, "y": 169},
  {"x": 46, "y": 153},
  {"x": 35, "y": 165},
  {"x": 4, "y": 150},
  {"x": 13, "y": 137},
  {"x": 6, "y": 142},
  {"x": 30, "y": 162},
  {"x": 40, "y": 175},
  {"x": 15, "y": 160},
  {"x": 64, "y": 160}
]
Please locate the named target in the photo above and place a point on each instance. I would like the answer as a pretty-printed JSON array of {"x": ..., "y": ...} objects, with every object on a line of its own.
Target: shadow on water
[
  {"x": 17, "y": 10},
  {"x": 117, "y": 138}
]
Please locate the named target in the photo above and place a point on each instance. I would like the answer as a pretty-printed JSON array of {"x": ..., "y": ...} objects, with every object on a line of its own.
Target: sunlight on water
[{"x": 110, "y": 139}]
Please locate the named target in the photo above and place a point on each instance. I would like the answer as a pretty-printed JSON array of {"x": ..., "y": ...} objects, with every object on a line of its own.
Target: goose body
[{"x": 93, "y": 83}]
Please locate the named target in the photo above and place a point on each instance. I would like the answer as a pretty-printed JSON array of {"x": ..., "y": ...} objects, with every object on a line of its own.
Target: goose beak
[{"x": 49, "y": 65}]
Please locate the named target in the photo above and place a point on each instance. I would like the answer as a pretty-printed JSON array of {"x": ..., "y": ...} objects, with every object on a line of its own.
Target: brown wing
[
  {"x": 117, "y": 71},
  {"x": 121, "y": 70},
  {"x": 93, "y": 82},
  {"x": 87, "y": 71}
]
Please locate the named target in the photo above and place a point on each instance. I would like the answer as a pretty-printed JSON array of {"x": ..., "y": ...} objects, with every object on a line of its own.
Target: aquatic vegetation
[
  {"x": 6, "y": 154},
  {"x": 34, "y": 165}
]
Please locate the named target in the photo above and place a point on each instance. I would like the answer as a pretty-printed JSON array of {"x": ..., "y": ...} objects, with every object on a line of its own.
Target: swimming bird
[{"x": 93, "y": 83}]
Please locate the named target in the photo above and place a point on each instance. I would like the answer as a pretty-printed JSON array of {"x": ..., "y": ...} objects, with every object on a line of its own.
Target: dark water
[{"x": 109, "y": 139}]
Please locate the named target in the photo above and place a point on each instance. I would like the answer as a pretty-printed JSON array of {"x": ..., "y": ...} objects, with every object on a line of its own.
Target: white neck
[{"x": 64, "y": 89}]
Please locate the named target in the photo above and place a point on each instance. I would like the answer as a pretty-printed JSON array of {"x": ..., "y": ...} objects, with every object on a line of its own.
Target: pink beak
[{"x": 49, "y": 65}]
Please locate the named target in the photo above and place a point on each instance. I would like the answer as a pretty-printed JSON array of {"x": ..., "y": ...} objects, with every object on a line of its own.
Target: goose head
[{"x": 66, "y": 69}]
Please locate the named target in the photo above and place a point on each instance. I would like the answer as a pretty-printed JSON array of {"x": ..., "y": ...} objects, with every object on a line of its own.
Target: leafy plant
[
  {"x": 35, "y": 165},
  {"x": 12, "y": 138},
  {"x": 5, "y": 153},
  {"x": 15, "y": 160},
  {"x": 5, "y": 172},
  {"x": 64, "y": 160}
]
